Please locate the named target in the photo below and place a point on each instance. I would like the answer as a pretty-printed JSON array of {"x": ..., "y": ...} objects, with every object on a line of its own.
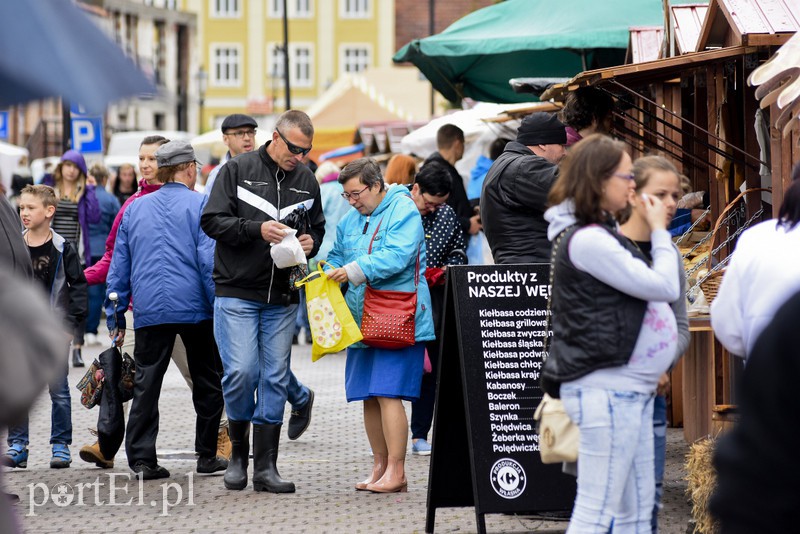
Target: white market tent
[{"x": 9, "y": 161}]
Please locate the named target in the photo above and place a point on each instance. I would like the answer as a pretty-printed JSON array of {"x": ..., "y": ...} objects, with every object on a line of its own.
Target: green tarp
[{"x": 477, "y": 55}]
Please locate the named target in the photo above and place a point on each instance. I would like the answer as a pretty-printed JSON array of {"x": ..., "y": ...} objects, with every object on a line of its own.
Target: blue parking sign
[
  {"x": 87, "y": 134},
  {"x": 3, "y": 124}
]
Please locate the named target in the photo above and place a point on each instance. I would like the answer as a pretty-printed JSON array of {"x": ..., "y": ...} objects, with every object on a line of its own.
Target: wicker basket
[{"x": 710, "y": 285}]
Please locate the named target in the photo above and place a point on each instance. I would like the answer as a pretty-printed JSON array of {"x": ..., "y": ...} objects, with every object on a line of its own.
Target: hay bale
[{"x": 702, "y": 480}]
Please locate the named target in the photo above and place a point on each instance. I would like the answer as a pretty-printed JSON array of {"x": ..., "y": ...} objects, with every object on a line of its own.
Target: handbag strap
[
  {"x": 416, "y": 269},
  {"x": 553, "y": 279}
]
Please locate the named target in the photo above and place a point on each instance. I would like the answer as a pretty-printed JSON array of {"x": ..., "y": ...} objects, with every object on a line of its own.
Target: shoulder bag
[
  {"x": 558, "y": 435},
  {"x": 388, "y": 318}
]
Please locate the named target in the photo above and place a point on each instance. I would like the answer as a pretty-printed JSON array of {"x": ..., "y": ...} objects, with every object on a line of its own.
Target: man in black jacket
[
  {"x": 255, "y": 305},
  {"x": 450, "y": 145},
  {"x": 515, "y": 191}
]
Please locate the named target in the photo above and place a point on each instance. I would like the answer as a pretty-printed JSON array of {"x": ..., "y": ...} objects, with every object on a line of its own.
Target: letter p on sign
[{"x": 87, "y": 134}]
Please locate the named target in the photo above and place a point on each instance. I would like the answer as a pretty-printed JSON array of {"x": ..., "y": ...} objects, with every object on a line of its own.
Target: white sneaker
[{"x": 90, "y": 339}]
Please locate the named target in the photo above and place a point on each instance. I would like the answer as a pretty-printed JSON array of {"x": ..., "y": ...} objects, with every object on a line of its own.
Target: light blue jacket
[
  {"x": 163, "y": 260},
  {"x": 394, "y": 255}
]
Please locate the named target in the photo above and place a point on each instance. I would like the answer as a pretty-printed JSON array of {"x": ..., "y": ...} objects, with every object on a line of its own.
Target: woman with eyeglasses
[
  {"x": 614, "y": 332},
  {"x": 379, "y": 243}
]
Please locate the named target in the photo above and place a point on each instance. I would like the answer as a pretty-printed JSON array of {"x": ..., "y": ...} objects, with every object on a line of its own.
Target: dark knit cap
[{"x": 541, "y": 129}]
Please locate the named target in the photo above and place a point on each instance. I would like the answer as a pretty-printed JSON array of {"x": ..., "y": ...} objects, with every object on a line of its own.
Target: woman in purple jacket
[{"x": 77, "y": 208}]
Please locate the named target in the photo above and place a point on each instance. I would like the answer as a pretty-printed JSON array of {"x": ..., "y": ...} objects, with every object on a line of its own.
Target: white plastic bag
[{"x": 288, "y": 252}]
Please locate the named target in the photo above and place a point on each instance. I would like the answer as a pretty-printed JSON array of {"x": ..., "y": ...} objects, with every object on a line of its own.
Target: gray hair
[
  {"x": 294, "y": 118},
  {"x": 367, "y": 171}
]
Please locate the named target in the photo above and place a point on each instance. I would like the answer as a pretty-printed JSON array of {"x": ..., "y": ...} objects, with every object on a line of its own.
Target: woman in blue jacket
[{"x": 382, "y": 378}]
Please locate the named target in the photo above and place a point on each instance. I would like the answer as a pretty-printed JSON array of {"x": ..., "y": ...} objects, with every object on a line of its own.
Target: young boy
[{"x": 57, "y": 267}]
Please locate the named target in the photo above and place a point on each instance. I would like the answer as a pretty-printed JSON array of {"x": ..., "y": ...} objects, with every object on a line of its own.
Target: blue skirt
[{"x": 395, "y": 373}]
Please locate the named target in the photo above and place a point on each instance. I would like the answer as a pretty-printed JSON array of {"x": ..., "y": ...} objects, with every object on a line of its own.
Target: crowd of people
[{"x": 208, "y": 293}]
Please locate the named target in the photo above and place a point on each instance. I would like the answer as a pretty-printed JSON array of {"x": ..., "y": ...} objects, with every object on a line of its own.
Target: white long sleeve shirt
[{"x": 763, "y": 273}]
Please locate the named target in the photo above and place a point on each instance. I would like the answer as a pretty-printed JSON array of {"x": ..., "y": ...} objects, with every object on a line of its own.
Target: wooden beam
[{"x": 766, "y": 39}]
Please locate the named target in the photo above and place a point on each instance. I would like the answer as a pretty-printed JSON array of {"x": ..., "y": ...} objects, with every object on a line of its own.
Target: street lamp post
[
  {"x": 202, "y": 81},
  {"x": 287, "y": 87}
]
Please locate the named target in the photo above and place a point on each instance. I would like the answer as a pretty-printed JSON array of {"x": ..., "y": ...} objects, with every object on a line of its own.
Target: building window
[
  {"x": 355, "y": 9},
  {"x": 302, "y": 9},
  {"x": 302, "y": 66},
  {"x": 160, "y": 53},
  {"x": 225, "y": 66},
  {"x": 355, "y": 59},
  {"x": 225, "y": 9},
  {"x": 298, "y": 9},
  {"x": 275, "y": 55}
]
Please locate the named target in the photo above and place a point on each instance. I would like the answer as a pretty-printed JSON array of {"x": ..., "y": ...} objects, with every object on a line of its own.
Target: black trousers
[
  {"x": 152, "y": 354},
  {"x": 422, "y": 409}
]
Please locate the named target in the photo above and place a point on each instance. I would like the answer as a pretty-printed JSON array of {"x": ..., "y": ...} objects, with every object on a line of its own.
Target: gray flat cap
[{"x": 175, "y": 153}]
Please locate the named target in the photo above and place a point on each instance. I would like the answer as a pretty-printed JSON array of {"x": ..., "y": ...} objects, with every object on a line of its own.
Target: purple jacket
[{"x": 88, "y": 213}]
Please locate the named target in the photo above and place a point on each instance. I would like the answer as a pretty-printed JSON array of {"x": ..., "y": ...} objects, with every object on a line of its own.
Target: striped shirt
[{"x": 65, "y": 222}]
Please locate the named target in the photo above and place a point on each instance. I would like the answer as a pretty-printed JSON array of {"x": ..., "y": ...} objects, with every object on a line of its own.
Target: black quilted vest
[{"x": 594, "y": 325}]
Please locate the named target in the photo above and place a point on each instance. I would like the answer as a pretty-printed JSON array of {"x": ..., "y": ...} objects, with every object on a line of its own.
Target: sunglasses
[
  {"x": 630, "y": 177},
  {"x": 294, "y": 149}
]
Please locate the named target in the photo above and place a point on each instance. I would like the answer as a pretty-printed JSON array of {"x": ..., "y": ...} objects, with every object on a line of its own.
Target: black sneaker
[
  {"x": 77, "y": 359},
  {"x": 300, "y": 419},
  {"x": 150, "y": 473},
  {"x": 211, "y": 464}
]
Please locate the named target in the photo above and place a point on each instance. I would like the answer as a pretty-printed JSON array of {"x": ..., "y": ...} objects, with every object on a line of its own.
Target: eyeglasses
[
  {"x": 432, "y": 205},
  {"x": 294, "y": 149},
  {"x": 242, "y": 133},
  {"x": 354, "y": 194},
  {"x": 630, "y": 176}
]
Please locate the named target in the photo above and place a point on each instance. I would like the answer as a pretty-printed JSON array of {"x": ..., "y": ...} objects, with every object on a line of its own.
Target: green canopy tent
[{"x": 477, "y": 55}]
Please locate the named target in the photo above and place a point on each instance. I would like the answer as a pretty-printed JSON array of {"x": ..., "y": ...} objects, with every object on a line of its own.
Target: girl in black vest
[{"x": 614, "y": 333}]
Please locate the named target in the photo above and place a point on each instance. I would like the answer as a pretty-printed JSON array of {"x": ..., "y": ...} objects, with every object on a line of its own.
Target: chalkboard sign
[{"x": 492, "y": 353}]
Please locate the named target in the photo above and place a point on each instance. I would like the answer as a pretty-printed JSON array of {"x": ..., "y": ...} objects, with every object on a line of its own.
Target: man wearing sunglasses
[{"x": 255, "y": 306}]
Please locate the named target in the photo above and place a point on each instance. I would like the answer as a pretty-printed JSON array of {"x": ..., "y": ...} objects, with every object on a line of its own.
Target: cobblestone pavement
[{"x": 324, "y": 464}]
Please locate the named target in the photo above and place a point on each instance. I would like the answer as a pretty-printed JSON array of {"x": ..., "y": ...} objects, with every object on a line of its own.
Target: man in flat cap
[
  {"x": 515, "y": 191},
  {"x": 239, "y": 135},
  {"x": 164, "y": 262}
]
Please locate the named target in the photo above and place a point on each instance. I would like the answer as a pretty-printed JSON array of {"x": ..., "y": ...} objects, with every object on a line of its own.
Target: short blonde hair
[{"x": 45, "y": 193}]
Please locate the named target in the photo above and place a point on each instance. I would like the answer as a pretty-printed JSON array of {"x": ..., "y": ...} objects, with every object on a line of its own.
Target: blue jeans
[
  {"x": 616, "y": 483},
  {"x": 60, "y": 416},
  {"x": 97, "y": 295},
  {"x": 302, "y": 315},
  {"x": 255, "y": 344},
  {"x": 660, "y": 452}
]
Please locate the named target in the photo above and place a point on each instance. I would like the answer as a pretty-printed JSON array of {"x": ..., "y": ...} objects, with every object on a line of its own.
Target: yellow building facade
[{"x": 242, "y": 51}]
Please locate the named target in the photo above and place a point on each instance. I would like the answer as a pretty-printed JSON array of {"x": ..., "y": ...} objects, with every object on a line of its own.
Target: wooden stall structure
[{"x": 697, "y": 109}]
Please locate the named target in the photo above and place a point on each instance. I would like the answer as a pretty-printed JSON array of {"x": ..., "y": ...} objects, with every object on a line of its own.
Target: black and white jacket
[{"x": 251, "y": 189}]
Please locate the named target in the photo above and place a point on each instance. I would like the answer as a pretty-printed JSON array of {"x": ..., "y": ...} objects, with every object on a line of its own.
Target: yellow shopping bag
[{"x": 332, "y": 325}]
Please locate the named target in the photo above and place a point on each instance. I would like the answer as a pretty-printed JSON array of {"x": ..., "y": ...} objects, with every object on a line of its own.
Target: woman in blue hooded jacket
[{"x": 389, "y": 220}]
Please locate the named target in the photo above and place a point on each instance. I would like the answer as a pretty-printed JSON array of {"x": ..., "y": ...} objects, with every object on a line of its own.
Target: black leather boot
[
  {"x": 236, "y": 474},
  {"x": 77, "y": 358},
  {"x": 265, "y": 455}
]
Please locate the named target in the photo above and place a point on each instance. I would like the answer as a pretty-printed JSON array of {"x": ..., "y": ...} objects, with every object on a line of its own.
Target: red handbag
[{"x": 388, "y": 318}]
